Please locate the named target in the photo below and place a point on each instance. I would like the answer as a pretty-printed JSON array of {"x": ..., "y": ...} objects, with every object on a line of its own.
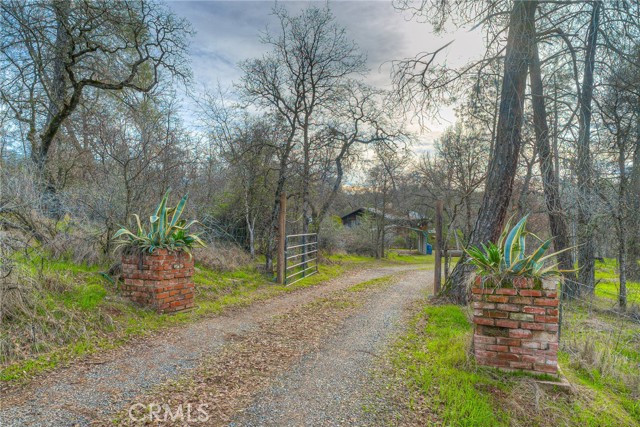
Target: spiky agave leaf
[
  {"x": 177, "y": 212},
  {"x": 512, "y": 247},
  {"x": 505, "y": 231},
  {"x": 537, "y": 255}
]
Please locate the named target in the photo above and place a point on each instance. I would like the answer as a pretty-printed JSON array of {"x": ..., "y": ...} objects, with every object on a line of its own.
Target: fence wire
[{"x": 602, "y": 341}]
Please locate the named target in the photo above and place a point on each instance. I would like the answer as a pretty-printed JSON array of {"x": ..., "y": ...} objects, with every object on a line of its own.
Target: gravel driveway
[
  {"x": 332, "y": 386},
  {"x": 77, "y": 395}
]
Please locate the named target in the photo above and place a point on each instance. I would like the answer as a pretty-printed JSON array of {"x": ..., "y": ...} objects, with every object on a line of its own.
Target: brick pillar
[
  {"x": 516, "y": 324},
  {"x": 161, "y": 280}
]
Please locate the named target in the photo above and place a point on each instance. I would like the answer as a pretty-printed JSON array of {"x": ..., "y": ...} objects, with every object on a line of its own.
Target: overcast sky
[{"x": 228, "y": 32}]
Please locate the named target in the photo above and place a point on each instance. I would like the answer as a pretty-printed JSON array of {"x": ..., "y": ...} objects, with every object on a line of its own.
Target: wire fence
[{"x": 600, "y": 338}]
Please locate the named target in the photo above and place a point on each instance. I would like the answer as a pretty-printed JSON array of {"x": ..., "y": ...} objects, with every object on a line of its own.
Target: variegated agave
[
  {"x": 166, "y": 230},
  {"x": 508, "y": 258}
]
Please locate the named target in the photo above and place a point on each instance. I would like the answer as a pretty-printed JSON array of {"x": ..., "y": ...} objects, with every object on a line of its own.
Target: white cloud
[{"x": 228, "y": 32}]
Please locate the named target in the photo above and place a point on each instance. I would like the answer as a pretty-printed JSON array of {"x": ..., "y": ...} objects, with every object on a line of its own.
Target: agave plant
[
  {"x": 166, "y": 230},
  {"x": 508, "y": 256}
]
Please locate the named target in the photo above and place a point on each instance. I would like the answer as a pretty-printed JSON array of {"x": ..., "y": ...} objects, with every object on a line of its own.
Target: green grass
[
  {"x": 394, "y": 256},
  {"x": 433, "y": 358},
  {"x": 373, "y": 283},
  {"x": 609, "y": 282},
  {"x": 409, "y": 258}
]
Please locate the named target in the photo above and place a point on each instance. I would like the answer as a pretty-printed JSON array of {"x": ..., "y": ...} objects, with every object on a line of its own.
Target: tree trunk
[
  {"x": 504, "y": 161},
  {"x": 584, "y": 172},
  {"x": 622, "y": 233},
  {"x": 57, "y": 96},
  {"x": 273, "y": 222},
  {"x": 524, "y": 193},
  {"x": 633, "y": 227},
  {"x": 550, "y": 183},
  {"x": 328, "y": 201}
]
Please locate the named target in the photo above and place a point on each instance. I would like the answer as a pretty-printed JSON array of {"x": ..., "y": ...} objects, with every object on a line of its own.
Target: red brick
[
  {"x": 520, "y": 333},
  {"x": 532, "y": 326},
  {"x": 539, "y": 360},
  {"x": 486, "y": 354},
  {"x": 508, "y": 307},
  {"x": 506, "y": 291},
  {"x": 544, "y": 336},
  {"x": 508, "y": 356},
  {"x": 484, "y": 305},
  {"x": 521, "y": 300},
  {"x": 551, "y": 312},
  {"x": 483, "y": 339},
  {"x": 502, "y": 348},
  {"x": 483, "y": 321},
  {"x": 545, "y": 368},
  {"x": 551, "y": 327},
  {"x": 498, "y": 314},
  {"x": 498, "y": 298},
  {"x": 547, "y": 319},
  {"x": 530, "y": 293},
  {"x": 521, "y": 365},
  {"x": 551, "y": 294},
  {"x": 534, "y": 345},
  {"x": 511, "y": 342},
  {"x": 523, "y": 351},
  {"x": 503, "y": 323},
  {"x": 546, "y": 302},
  {"x": 534, "y": 310}
]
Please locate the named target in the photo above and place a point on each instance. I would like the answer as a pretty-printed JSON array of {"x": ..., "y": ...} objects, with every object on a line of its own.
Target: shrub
[
  {"x": 222, "y": 257},
  {"x": 331, "y": 235},
  {"x": 361, "y": 239},
  {"x": 77, "y": 243},
  {"x": 166, "y": 231}
]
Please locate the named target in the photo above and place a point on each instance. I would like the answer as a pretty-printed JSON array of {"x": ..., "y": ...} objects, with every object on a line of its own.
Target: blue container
[{"x": 429, "y": 249}]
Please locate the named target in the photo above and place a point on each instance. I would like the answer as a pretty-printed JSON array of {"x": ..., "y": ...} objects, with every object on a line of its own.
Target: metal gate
[{"x": 300, "y": 257}]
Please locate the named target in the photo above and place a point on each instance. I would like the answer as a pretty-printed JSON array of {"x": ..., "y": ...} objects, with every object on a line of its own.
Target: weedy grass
[
  {"x": 601, "y": 350},
  {"x": 433, "y": 359}
]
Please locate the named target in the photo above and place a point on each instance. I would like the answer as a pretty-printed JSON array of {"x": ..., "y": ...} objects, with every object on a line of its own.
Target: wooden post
[
  {"x": 282, "y": 235},
  {"x": 437, "y": 250}
]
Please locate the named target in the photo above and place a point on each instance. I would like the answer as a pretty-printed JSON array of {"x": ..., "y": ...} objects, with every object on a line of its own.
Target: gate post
[
  {"x": 282, "y": 235},
  {"x": 438, "y": 249}
]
